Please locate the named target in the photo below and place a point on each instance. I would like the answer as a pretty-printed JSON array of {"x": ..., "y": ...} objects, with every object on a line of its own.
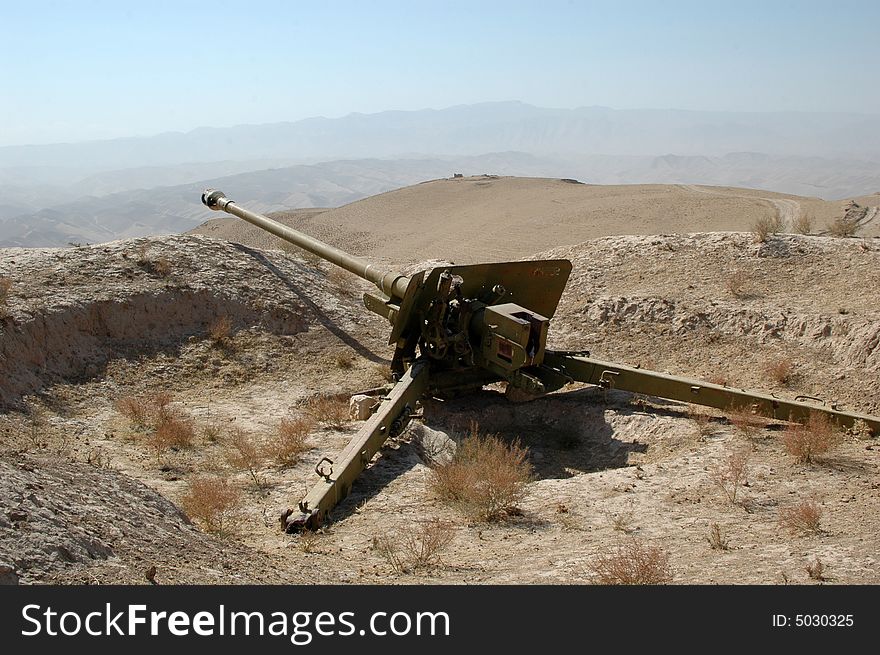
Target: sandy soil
[
  {"x": 490, "y": 218},
  {"x": 88, "y": 326}
]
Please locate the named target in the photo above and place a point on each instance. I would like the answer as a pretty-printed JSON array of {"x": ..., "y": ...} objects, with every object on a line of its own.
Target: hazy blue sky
[{"x": 71, "y": 71}]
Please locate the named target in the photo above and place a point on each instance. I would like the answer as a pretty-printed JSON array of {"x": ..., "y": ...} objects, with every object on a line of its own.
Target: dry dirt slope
[
  {"x": 83, "y": 327},
  {"x": 88, "y": 326},
  {"x": 490, "y": 218}
]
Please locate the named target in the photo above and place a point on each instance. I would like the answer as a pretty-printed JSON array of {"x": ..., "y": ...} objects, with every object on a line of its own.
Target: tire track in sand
[{"x": 787, "y": 210}]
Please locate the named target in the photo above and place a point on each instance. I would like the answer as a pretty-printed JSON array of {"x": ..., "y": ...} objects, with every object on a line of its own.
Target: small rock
[{"x": 361, "y": 407}]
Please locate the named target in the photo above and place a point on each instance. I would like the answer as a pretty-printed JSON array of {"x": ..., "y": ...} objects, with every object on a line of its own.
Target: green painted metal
[
  {"x": 537, "y": 284},
  {"x": 337, "y": 475},
  {"x": 611, "y": 375},
  {"x": 390, "y": 283},
  {"x": 457, "y": 328}
]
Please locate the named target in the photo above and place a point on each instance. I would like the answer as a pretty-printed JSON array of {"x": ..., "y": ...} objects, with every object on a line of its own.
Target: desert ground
[{"x": 230, "y": 333}]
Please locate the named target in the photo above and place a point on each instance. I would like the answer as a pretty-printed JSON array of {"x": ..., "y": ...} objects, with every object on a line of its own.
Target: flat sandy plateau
[
  {"x": 83, "y": 497},
  {"x": 489, "y": 218}
]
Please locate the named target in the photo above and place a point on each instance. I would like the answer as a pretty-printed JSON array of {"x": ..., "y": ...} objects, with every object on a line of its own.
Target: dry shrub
[
  {"x": 844, "y": 226},
  {"x": 776, "y": 223},
  {"x": 170, "y": 430},
  {"x": 736, "y": 283},
  {"x": 343, "y": 360},
  {"x": 705, "y": 424},
  {"x": 622, "y": 521},
  {"x": 160, "y": 400},
  {"x": 309, "y": 541},
  {"x": 816, "y": 570},
  {"x": 632, "y": 563},
  {"x": 146, "y": 410},
  {"x": 162, "y": 267},
  {"x": 780, "y": 370},
  {"x": 135, "y": 408},
  {"x": 803, "y": 224},
  {"x": 177, "y": 430},
  {"x": 219, "y": 330},
  {"x": 763, "y": 228},
  {"x": 717, "y": 539},
  {"x": 748, "y": 424},
  {"x": 803, "y": 518},
  {"x": 418, "y": 548},
  {"x": 486, "y": 477},
  {"x": 390, "y": 552},
  {"x": 243, "y": 454},
  {"x": 143, "y": 255},
  {"x": 5, "y": 286},
  {"x": 289, "y": 442},
  {"x": 99, "y": 458},
  {"x": 861, "y": 430},
  {"x": 815, "y": 438},
  {"x": 211, "y": 431},
  {"x": 330, "y": 410},
  {"x": 383, "y": 373},
  {"x": 159, "y": 442},
  {"x": 424, "y": 544},
  {"x": 211, "y": 501},
  {"x": 731, "y": 472}
]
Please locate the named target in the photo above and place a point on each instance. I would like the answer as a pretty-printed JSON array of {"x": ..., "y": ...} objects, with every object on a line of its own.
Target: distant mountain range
[
  {"x": 477, "y": 129},
  {"x": 99, "y": 190}
]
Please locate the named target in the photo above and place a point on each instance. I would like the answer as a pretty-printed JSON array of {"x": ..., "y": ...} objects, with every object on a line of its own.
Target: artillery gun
[{"x": 456, "y": 328}]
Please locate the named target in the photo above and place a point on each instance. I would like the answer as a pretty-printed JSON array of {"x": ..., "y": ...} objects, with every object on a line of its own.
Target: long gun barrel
[
  {"x": 477, "y": 324},
  {"x": 390, "y": 283}
]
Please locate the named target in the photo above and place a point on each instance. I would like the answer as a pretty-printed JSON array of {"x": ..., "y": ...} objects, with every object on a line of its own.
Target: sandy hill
[
  {"x": 489, "y": 218},
  {"x": 87, "y": 330}
]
